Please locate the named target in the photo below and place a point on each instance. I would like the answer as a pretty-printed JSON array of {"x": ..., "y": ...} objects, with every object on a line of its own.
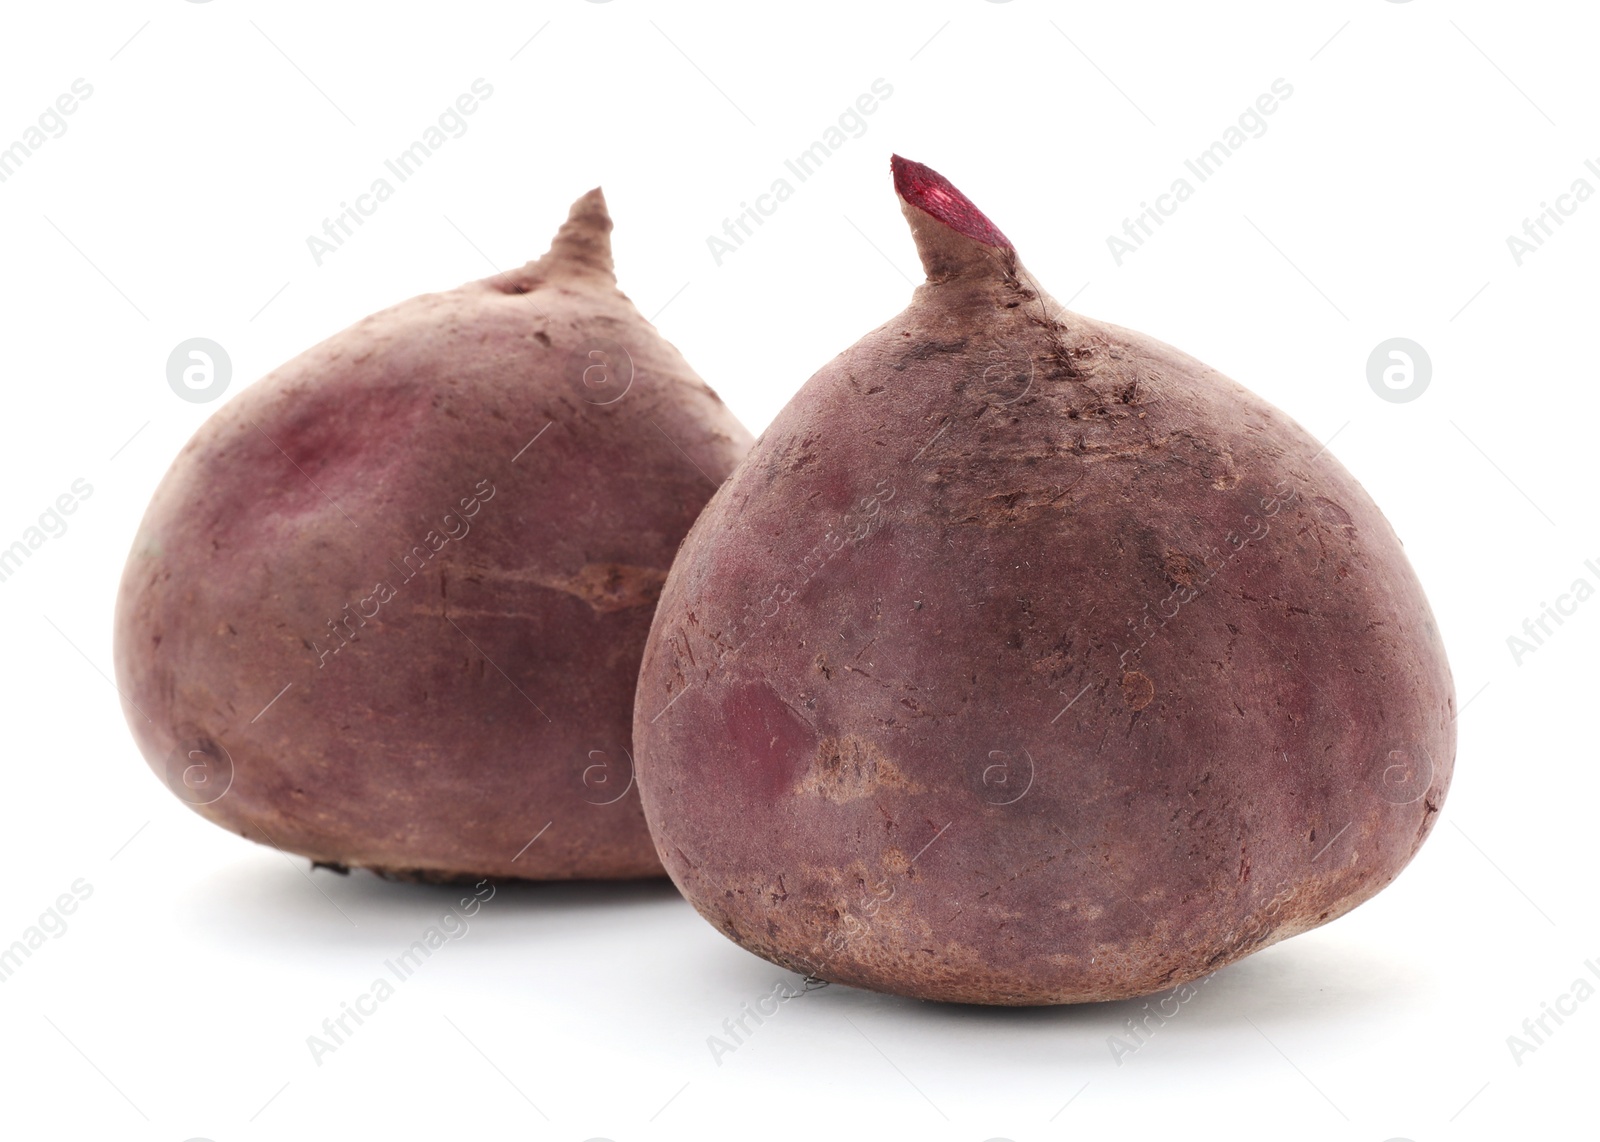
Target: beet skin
[
  {"x": 1028, "y": 660},
  {"x": 386, "y": 608}
]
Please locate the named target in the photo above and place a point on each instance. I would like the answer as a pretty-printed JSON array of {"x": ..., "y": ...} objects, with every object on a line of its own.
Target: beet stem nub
[{"x": 932, "y": 193}]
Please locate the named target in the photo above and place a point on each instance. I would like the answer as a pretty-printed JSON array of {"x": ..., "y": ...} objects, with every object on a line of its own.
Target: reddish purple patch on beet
[
  {"x": 932, "y": 193},
  {"x": 772, "y": 741}
]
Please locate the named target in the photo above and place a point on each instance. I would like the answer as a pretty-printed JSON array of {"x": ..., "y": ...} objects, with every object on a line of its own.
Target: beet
[
  {"x": 387, "y": 607},
  {"x": 1029, "y": 660}
]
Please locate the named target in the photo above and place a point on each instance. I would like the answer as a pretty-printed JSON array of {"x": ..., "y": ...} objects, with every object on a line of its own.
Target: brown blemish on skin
[
  {"x": 1333, "y": 513},
  {"x": 1228, "y": 477},
  {"x": 848, "y": 769},
  {"x": 1180, "y": 571},
  {"x": 1137, "y": 690},
  {"x": 895, "y": 862},
  {"x": 611, "y": 587},
  {"x": 606, "y": 587}
]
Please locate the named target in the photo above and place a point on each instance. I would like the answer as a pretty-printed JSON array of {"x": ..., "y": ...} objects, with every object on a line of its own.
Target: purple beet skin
[
  {"x": 1028, "y": 660},
  {"x": 387, "y": 607}
]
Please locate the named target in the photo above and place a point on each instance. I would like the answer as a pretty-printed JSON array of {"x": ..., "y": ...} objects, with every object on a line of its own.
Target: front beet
[{"x": 1028, "y": 660}]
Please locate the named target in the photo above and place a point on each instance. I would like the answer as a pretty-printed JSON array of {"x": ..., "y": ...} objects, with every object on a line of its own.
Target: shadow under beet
[
  {"x": 1316, "y": 984},
  {"x": 280, "y": 904}
]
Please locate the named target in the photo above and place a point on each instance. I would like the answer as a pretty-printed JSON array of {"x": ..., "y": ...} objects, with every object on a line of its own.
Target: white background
[{"x": 219, "y": 136}]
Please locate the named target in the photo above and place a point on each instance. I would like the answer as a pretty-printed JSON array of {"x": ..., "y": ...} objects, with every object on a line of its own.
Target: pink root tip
[{"x": 933, "y": 194}]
